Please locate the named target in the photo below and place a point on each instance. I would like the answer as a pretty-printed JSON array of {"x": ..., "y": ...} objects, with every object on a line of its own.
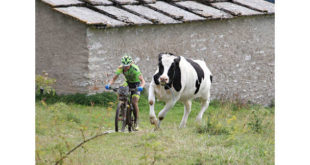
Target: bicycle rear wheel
[{"x": 129, "y": 118}]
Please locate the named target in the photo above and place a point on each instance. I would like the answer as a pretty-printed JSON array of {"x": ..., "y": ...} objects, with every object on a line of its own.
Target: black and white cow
[{"x": 179, "y": 78}]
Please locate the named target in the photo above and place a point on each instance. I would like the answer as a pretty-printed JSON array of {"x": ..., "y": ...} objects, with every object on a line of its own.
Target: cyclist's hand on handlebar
[
  {"x": 107, "y": 86},
  {"x": 140, "y": 89}
]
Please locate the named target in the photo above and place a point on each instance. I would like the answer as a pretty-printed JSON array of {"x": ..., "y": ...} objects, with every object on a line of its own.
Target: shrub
[
  {"x": 215, "y": 103},
  {"x": 212, "y": 127},
  {"x": 272, "y": 104},
  {"x": 238, "y": 103},
  {"x": 82, "y": 99},
  {"x": 255, "y": 123},
  {"x": 60, "y": 106},
  {"x": 71, "y": 117},
  {"x": 44, "y": 84}
]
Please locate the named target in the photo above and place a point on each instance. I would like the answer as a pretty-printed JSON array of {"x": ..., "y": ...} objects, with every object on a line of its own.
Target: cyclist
[{"x": 134, "y": 79}]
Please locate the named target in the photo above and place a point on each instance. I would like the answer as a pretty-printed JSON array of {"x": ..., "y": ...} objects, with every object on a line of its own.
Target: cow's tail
[{"x": 211, "y": 76}]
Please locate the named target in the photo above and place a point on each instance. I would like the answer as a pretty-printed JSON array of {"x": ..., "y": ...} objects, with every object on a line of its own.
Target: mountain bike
[{"x": 124, "y": 111}]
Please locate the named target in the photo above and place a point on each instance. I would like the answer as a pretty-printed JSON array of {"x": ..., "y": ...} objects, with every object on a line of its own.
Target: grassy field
[{"x": 230, "y": 134}]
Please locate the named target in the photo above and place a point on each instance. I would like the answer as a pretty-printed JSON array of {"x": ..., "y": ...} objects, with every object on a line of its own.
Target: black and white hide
[{"x": 179, "y": 79}]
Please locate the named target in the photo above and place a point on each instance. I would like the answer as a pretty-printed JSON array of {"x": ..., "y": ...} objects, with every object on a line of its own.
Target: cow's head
[{"x": 167, "y": 65}]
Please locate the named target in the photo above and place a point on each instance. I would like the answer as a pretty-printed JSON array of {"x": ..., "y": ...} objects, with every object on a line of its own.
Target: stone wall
[
  {"x": 239, "y": 53},
  {"x": 61, "y": 49}
]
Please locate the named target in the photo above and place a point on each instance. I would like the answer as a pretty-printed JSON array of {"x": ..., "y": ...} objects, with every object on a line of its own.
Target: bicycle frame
[{"x": 123, "y": 102}]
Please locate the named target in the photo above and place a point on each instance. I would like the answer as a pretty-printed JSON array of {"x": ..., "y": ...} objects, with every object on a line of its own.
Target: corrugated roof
[
  {"x": 235, "y": 9},
  {"x": 152, "y": 14},
  {"x": 176, "y": 12},
  {"x": 126, "y": 2},
  {"x": 123, "y": 15},
  {"x": 99, "y": 2},
  {"x": 56, "y": 3},
  {"x": 89, "y": 16},
  {"x": 115, "y": 13},
  {"x": 259, "y": 5},
  {"x": 204, "y": 10}
]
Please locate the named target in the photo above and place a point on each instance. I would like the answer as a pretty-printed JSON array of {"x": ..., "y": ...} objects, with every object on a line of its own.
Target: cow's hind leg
[
  {"x": 187, "y": 110},
  {"x": 204, "y": 106}
]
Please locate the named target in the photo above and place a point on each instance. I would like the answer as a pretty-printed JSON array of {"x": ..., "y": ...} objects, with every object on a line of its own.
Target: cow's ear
[
  {"x": 159, "y": 56},
  {"x": 177, "y": 60}
]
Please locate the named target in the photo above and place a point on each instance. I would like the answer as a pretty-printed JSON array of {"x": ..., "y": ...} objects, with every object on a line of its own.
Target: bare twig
[
  {"x": 79, "y": 145},
  {"x": 82, "y": 132}
]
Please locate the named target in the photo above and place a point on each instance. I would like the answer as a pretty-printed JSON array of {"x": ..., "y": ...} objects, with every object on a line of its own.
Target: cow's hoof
[
  {"x": 198, "y": 120},
  {"x": 157, "y": 128},
  {"x": 153, "y": 120},
  {"x": 157, "y": 125}
]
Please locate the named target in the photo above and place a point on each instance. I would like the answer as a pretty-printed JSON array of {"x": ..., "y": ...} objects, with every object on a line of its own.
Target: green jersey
[{"x": 131, "y": 75}]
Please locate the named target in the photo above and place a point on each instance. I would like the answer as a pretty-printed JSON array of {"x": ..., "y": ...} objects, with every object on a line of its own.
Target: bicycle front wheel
[{"x": 120, "y": 120}]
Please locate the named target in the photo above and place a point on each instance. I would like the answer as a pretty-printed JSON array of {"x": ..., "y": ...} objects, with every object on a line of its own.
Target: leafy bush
[
  {"x": 213, "y": 127},
  {"x": 255, "y": 123},
  {"x": 83, "y": 99},
  {"x": 216, "y": 103},
  {"x": 71, "y": 117},
  {"x": 272, "y": 104},
  {"x": 46, "y": 93},
  {"x": 44, "y": 84},
  {"x": 60, "y": 106}
]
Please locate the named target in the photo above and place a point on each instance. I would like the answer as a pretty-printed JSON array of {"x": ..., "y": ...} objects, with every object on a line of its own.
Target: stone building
[{"x": 80, "y": 42}]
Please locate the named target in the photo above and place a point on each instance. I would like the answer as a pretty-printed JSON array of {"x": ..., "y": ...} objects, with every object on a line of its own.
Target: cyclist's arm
[
  {"x": 117, "y": 73},
  {"x": 142, "y": 81},
  {"x": 113, "y": 79}
]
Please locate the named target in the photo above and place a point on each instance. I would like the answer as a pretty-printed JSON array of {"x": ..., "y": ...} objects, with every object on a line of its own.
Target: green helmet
[{"x": 126, "y": 60}]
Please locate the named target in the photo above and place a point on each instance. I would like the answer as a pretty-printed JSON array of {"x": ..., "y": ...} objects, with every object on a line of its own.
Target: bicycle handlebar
[{"x": 115, "y": 89}]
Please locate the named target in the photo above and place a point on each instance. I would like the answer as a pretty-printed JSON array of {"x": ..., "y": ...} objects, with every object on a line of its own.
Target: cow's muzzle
[{"x": 163, "y": 81}]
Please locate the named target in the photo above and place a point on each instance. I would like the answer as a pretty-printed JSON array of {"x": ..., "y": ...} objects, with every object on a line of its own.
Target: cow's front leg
[
  {"x": 164, "y": 111},
  {"x": 151, "y": 99}
]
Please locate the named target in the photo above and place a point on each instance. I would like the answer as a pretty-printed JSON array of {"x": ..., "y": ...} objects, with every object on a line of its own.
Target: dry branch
[{"x": 79, "y": 145}]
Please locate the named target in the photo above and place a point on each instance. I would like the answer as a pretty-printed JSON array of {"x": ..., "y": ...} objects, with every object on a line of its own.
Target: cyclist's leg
[
  {"x": 135, "y": 100},
  {"x": 125, "y": 84}
]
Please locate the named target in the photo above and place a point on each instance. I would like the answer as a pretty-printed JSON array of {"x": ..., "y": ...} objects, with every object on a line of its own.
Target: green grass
[{"x": 228, "y": 135}]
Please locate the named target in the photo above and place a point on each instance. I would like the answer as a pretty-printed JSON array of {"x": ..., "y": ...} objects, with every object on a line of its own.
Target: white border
[
  {"x": 17, "y": 64},
  {"x": 17, "y": 82},
  {"x": 292, "y": 82}
]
